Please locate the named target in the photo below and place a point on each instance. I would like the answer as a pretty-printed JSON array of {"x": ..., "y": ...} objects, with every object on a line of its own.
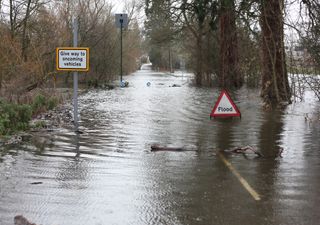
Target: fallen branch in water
[
  {"x": 252, "y": 150},
  {"x": 245, "y": 150}
]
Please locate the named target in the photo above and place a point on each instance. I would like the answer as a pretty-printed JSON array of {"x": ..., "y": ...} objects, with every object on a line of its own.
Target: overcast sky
[{"x": 118, "y": 5}]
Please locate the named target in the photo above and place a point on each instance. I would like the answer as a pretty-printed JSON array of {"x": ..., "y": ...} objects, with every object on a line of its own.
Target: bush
[
  {"x": 52, "y": 103},
  {"x": 40, "y": 124},
  {"x": 39, "y": 103},
  {"x": 24, "y": 116},
  {"x": 4, "y": 121},
  {"x": 14, "y": 117}
]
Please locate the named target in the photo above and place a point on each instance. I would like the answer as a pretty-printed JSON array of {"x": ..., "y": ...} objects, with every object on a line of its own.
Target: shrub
[
  {"x": 24, "y": 116},
  {"x": 42, "y": 103},
  {"x": 14, "y": 117},
  {"x": 39, "y": 103},
  {"x": 4, "y": 121},
  {"x": 40, "y": 124},
  {"x": 52, "y": 103}
]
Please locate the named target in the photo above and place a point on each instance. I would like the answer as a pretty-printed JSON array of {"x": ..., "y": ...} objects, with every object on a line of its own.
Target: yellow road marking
[{"x": 244, "y": 183}]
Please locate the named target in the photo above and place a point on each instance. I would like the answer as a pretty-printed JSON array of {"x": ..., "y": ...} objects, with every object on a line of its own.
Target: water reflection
[
  {"x": 73, "y": 172},
  {"x": 271, "y": 132},
  {"x": 225, "y": 133},
  {"x": 270, "y": 145}
]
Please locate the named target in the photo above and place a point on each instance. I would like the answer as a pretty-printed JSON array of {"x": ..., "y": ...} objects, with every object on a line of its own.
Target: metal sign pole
[
  {"x": 75, "y": 78},
  {"x": 121, "y": 22},
  {"x": 121, "y": 26}
]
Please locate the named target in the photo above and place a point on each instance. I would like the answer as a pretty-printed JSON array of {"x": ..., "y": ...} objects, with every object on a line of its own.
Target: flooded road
[{"x": 107, "y": 175}]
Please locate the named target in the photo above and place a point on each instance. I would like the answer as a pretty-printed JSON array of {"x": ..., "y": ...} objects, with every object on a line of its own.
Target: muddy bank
[
  {"x": 61, "y": 116},
  {"x": 46, "y": 121}
]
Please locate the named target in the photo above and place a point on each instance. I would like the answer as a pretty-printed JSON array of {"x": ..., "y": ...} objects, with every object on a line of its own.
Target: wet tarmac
[{"x": 108, "y": 175}]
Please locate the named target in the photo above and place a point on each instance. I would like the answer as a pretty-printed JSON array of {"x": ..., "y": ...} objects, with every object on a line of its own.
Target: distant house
[{"x": 300, "y": 56}]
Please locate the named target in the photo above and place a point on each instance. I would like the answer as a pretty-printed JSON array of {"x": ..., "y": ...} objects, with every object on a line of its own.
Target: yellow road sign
[{"x": 72, "y": 59}]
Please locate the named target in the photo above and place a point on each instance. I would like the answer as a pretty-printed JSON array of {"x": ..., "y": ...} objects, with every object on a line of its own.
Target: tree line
[
  {"x": 30, "y": 31},
  {"x": 227, "y": 43},
  {"x": 231, "y": 42}
]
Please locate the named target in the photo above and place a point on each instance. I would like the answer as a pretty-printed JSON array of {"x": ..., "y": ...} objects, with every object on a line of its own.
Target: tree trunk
[
  {"x": 229, "y": 72},
  {"x": 199, "y": 61},
  {"x": 12, "y": 19},
  {"x": 24, "y": 35},
  {"x": 0, "y": 80},
  {"x": 170, "y": 60},
  {"x": 275, "y": 84}
]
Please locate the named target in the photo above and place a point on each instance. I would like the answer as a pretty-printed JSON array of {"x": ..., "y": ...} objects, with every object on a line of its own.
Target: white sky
[{"x": 118, "y": 5}]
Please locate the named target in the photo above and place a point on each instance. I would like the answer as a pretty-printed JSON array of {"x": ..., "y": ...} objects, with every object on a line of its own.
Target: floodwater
[{"x": 108, "y": 175}]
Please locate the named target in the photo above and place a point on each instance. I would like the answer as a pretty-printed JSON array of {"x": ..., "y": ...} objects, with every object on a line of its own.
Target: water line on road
[{"x": 243, "y": 181}]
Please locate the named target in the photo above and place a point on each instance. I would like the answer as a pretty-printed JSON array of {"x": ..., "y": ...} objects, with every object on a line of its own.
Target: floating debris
[
  {"x": 245, "y": 150},
  {"x": 15, "y": 139},
  {"x": 56, "y": 118},
  {"x": 37, "y": 182},
  {"x": 175, "y": 85}
]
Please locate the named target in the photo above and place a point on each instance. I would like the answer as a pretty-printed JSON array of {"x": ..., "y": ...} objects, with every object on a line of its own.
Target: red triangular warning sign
[{"x": 224, "y": 107}]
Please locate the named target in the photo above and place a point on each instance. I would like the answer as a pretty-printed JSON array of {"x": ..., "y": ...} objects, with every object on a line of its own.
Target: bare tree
[
  {"x": 199, "y": 17},
  {"x": 0, "y": 7},
  {"x": 33, "y": 29}
]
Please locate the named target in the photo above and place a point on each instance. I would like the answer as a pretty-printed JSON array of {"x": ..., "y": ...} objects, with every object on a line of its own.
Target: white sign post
[
  {"x": 73, "y": 59},
  {"x": 121, "y": 22},
  {"x": 75, "y": 79}
]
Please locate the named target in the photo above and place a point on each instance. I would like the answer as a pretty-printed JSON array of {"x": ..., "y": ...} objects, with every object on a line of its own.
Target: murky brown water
[{"x": 109, "y": 176}]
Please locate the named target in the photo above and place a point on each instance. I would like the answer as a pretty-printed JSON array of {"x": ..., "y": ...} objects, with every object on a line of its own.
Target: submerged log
[{"x": 166, "y": 148}]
